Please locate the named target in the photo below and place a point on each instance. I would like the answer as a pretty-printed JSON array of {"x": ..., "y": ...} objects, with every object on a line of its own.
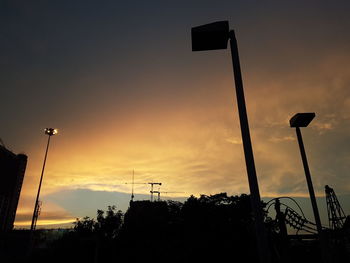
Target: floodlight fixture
[
  {"x": 51, "y": 131},
  {"x": 210, "y": 36}
]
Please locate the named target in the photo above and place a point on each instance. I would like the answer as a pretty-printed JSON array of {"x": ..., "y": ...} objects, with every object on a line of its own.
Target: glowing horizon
[{"x": 126, "y": 92}]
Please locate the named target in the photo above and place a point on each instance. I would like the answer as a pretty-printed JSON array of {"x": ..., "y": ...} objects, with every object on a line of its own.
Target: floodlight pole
[
  {"x": 36, "y": 208},
  {"x": 261, "y": 235}
]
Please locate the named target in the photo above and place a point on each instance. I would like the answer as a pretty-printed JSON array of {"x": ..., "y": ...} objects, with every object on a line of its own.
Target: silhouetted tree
[
  {"x": 108, "y": 226},
  {"x": 204, "y": 229},
  {"x": 90, "y": 240},
  {"x": 222, "y": 226},
  {"x": 85, "y": 226},
  {"x": 209, "y": 228}
]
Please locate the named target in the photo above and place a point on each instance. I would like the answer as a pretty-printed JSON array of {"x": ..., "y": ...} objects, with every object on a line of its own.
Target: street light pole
[
  {"x": 303, "y": 120},
  {"x": 261, "y": 234},
  {"x": 309, "y": 181},
  {"x": 212, "y": 37}
]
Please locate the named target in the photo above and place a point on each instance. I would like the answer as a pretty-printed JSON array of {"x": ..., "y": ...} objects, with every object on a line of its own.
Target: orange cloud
[
  {"x": 196, "y": 148},
  {"x": 51, "y": 214}
]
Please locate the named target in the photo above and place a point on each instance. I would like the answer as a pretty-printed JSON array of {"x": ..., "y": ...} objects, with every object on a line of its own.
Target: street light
[
  {"x": 303, "y": 120},
  {"x": 50, "y": 132},
  {"x": 297, "y": 121},
  {"x": 215, "y": 36}
]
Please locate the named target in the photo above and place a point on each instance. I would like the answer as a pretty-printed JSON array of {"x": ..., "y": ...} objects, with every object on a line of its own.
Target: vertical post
[
  {"x": 132, "y": 186},
  {"x": 284, "y": 246},
  {"x": 35, "y": 214},
  {"x": 261, "y": 235},
  {"x": 309, "y": 181},
  {"x": 36, "y": 206},
  {"x": 281, "y": 221},
  {"x": 323, "y": 245}
]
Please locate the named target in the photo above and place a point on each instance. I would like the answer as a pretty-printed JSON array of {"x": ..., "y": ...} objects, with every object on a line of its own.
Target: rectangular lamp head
[
  {"x": 301, "y": 119},
  {"x": 210, "y": 36}
]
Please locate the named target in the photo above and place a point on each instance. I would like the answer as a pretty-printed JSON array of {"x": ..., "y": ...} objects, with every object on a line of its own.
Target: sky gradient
[{"x": 121, "y": 84}]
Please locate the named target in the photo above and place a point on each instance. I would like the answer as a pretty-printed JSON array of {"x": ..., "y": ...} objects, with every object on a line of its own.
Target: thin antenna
[{"x": 132, "y": 185}]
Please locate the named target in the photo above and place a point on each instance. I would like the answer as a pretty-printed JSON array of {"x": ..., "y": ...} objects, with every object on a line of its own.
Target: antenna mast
[
  {"x": 132, "y": 186},
  {"x": 152, "y": 189}
]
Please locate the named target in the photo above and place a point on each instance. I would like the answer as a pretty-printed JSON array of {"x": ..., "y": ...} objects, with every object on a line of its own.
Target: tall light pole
[
  {"x": 50, "y": 132},
  {"x": 303, "y": 120},
  {"x": 297, "y": 121},
  {"x": 212, "y": 37}
]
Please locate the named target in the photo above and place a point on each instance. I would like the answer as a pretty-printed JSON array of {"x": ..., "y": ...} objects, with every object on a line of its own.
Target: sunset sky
[{"x": 119, "y": 81}]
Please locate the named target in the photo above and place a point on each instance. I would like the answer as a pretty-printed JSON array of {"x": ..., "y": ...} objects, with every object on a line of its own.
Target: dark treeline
[
  {"x": 212, "y": 228},
  {"x": 204, "y": 229}
]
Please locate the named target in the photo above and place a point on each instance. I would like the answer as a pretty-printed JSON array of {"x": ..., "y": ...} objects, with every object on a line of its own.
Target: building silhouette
[{"x": 12, "y": 169}]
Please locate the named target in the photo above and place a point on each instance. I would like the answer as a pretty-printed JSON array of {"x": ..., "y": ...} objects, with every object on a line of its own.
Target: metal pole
[
  {"x": 132, "y": 186},
  {"x": 33, "y": 226},
  {"x": 323, "y": 244},
  {"x": 309, "y": 181},
  {"x": 261, "y": 235}
]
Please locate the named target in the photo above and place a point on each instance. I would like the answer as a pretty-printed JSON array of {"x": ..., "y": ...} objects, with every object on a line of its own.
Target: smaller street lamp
[
  {"x": 297, "y": 121},
  {"x": 303, "y": 120}
]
